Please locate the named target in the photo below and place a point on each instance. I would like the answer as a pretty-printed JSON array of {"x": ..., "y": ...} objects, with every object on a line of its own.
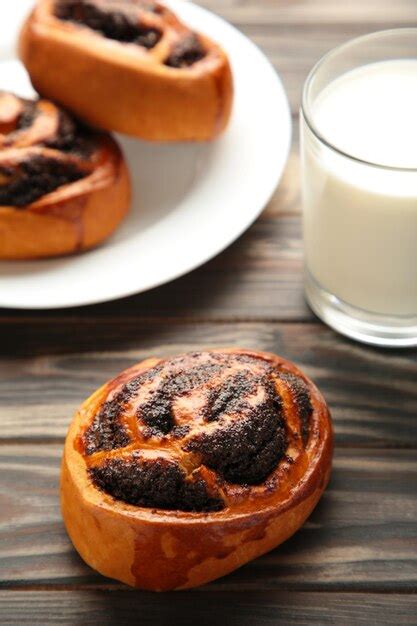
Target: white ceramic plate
[{"x": 190, "y": 200}]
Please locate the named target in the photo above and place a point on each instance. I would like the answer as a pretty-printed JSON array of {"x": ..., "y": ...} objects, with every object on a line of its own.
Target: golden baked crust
[
  {"x": 63, "y": 188},
  {"x": 179, "y": 471},
  {"x": 160, "y": 83}
]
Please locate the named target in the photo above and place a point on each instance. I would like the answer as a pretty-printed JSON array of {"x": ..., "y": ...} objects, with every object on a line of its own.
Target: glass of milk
[{"x": 359, "y": 179}]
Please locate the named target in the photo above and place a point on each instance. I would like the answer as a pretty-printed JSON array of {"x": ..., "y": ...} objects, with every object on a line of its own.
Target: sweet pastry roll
[
  {"x": 129, "y": 66},
  {"x": 63, "y": 187},
  {"x": 182, "y": 469}
]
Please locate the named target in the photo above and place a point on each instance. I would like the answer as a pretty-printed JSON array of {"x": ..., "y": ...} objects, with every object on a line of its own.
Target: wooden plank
[
  {"x": 125, "y": 608},
  {"x": 294, "y": 35},
  {"x": 321, "y": 13},
  {"x": 294, "y": 49},
  {"x": 372, "y": 393},
  {"x": 362, "y": 536},
  {"x": 287, "y": 197}
]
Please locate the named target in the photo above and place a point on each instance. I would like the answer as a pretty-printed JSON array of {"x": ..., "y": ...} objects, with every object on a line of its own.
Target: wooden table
[{"x": 355, "y": 560}]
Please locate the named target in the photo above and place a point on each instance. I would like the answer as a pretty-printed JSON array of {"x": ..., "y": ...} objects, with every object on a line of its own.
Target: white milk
[{"x": 360, "y": 221}]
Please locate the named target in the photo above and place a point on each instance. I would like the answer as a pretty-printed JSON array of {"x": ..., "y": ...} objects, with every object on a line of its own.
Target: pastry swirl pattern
[
  {"x": 196, "y": 432},
  {"x": 64, "y": 187},
  {"x": 140, "y": 22},
  {"x": 41, "y": 149},
  {"x": 131, "y": 66}
]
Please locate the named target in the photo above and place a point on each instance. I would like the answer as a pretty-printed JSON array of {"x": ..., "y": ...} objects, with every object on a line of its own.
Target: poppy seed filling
[
  {"x": 26, "y": 177},
  {"x": 157, "y": 484},
  {"x": 33, "y": 178},
  {"x": 223, "y": 412},
  {"x": 121, "y": 20},
  {"x": 115, "y": 20},
  {"x": 186, "y": 52}
]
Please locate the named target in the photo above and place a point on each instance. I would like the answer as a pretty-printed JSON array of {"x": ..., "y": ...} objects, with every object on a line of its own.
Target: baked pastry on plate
[
  {"x": 182, "y": 469},
  {"x": 63, "y": 187},
  {"x": 129, "y": 66}
]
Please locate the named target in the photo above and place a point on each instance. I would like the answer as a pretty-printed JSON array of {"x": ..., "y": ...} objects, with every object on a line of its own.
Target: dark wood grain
[
  {"x": 363, "y": 534},
  {"x": 295, "y": 34},
  {"x": 322, "y": 14},
  {"x": 372, "y": 393},
  {"x": 128, "y": 608},
  {"x": 358, "y": 551}
]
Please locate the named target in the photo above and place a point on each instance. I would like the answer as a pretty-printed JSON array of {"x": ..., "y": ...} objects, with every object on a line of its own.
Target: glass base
[{"x": 370, "y": 328}]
